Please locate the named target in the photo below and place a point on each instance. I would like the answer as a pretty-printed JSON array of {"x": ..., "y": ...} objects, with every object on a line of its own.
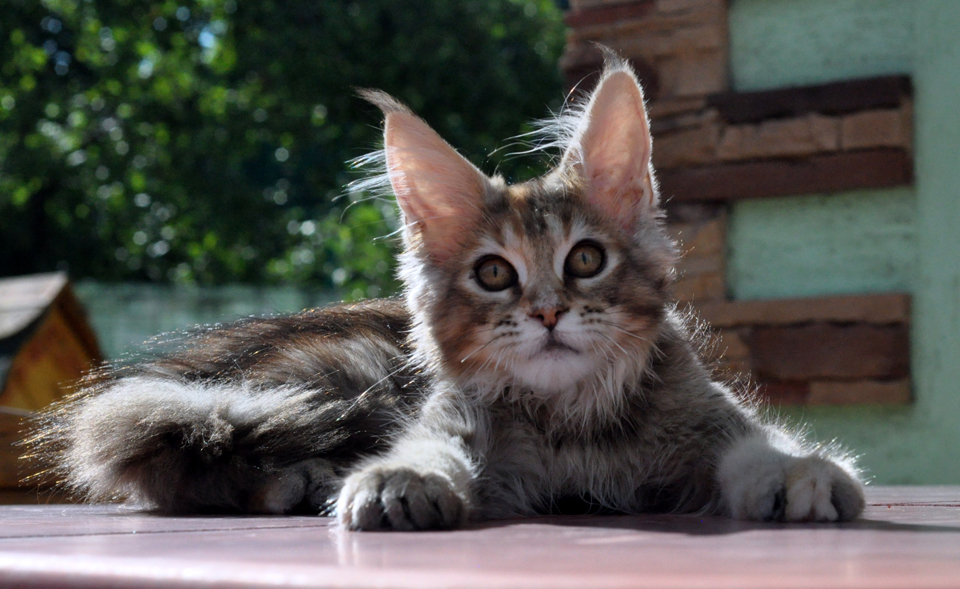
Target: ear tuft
[
  {"x": 611, "y": 149},
  {"x": 382, "y": 100},
  {"x": 439, "y": 192}
]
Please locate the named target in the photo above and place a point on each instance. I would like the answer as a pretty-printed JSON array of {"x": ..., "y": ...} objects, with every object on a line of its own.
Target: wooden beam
[
  {"x": 875, "y": 168},
  {"x": 877, "y": 309},
  {"x": 784, "y": 393},
  {"x": 836, "y": 392},
  {"x": 825, "y": 351},
  {"x": 609, "y": 13},
  {"x": 836, "y": 98},
  {"x": 873, "y": 392}
]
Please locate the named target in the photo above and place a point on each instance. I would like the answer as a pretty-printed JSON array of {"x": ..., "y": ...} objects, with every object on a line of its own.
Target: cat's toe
[
  {"x": 758, "y": 493},
  {"x": 359, "y": 507},
  {"x": 819, "y": 490},
  {"x": 847, "y": 498},
  {"x": 777, "y": 511},
  {"x": 766, "y": 501},
  {"x": 399, "y": 499},
  {"x": 415, "y": 501}
]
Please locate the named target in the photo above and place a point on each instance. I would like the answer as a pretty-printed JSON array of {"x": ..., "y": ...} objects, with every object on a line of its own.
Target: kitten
[{"x": 536, "y": 365}]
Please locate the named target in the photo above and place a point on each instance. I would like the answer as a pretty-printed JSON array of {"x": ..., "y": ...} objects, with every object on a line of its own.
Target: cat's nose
[{"x": 549, "y": 316}]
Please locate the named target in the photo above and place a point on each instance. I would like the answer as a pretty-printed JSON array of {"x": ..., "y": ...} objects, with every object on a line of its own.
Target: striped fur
[{"x": 554, "y": 391}]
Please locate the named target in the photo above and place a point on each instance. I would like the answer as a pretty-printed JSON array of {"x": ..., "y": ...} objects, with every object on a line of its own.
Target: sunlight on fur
[{"x": 535, "y": 358}]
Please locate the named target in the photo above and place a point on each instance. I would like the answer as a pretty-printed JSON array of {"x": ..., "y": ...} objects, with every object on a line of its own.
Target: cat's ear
[
  {"x": 438, "y": 190},
  {"x": 611, "y": 147}
]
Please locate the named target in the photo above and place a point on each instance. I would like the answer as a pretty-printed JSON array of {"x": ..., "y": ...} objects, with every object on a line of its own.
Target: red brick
[
  {"x": 672, "y": 106},
  {"x": 876, "y": 168},
  {"x": 693, "y": 75},
  {"x": 703, "y": 286},
  {"x": 874, "y": 128},
  {"x": 730, "y": 355},
  {"x": 789, "y": 137},
  {"x": 663, "y": 42},
  {"x": 784, "y": 393},
  {"x": 684, "y": 121},
  {"x": 701, "y": 239},
  {"x": 830, "y": 351},
  {"x": 593, "y": 12},
  {"x": 894, "y": 392},
  {"x": 694, "y": 146},
  {"x": 732, "y": 345},
  {"x": 715, "y": 7}
]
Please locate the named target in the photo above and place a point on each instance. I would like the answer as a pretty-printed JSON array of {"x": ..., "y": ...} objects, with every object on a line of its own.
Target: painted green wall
[
  {"x": 854, "y": 242},
  {"x": 776, "y": 43},
  {"x": 127, "y": 315}
]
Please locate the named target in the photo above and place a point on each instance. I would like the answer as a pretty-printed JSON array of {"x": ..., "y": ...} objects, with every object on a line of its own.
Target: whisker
[
  {"x": 622, "y": 330},
  {"x": 495, "y": 338},
  {"x": 614, "y": 342}
]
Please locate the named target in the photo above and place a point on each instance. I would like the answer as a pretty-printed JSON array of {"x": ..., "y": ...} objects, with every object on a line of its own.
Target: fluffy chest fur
[{"x": 656, "y": 452}]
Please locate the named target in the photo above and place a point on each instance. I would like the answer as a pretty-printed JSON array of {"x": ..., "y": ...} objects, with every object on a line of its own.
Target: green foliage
[{"x": 206, "y": 140}]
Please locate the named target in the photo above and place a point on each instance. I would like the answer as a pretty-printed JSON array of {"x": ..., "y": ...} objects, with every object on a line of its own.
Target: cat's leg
[
  {"x": 767, "y": 476},
  {"x": 307, "y": 485},
  {"x": 425, "y": 481}
]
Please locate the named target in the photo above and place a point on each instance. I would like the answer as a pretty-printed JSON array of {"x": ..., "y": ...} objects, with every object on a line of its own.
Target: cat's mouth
[{"x": 553, "y": 345}]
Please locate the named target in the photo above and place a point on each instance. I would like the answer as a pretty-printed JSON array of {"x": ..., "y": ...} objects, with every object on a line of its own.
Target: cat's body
[
  {"x": 535, "y": 360},
  {"x": 241, "y": 415}
]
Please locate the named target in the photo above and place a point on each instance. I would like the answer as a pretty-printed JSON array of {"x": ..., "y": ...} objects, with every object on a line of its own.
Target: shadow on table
[{"x": 706, "y": 525}]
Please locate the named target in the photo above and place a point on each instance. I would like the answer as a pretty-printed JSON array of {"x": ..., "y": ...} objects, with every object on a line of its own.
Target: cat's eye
[
  {"x": 494, "y": 273},
  {"x": 584, "y": 260}
]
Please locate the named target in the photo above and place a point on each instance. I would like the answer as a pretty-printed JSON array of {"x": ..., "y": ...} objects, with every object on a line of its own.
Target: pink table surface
[{"x": 908, "y": 537}]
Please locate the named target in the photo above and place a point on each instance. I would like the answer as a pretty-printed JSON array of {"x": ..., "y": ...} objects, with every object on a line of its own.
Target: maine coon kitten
[{"x": 535, "y": 359}]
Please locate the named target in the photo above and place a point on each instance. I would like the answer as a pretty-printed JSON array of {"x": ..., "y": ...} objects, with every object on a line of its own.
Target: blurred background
[
  {"x": 165, "y": 164},
  {"x": 206, "y": 142}
]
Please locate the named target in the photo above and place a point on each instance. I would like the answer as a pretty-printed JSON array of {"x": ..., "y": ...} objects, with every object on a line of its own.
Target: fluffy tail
[
  {"x": 184, "y": 447},
  {"x": 254, "y": 416}
]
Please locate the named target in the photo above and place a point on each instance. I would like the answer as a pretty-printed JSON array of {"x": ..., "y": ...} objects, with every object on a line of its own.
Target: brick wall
[{"x": 713, "y": 147}]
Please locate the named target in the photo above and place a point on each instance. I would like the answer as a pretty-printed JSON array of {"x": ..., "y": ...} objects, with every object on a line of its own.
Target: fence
[{"x": 125, "y": 316}]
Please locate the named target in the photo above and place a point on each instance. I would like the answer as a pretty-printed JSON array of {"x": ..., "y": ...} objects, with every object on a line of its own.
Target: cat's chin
[{"x": 555, "y": 369}]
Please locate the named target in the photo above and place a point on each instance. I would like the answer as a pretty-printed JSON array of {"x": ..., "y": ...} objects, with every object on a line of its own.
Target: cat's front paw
[
  {"x": 392, "y": 498},
  {"x": 769, "y": 486}
]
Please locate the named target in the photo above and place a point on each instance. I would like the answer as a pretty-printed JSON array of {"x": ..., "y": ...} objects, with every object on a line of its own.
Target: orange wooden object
[
  {"x": 49, "y": 343},
  {"x": 45, "y": 346}
]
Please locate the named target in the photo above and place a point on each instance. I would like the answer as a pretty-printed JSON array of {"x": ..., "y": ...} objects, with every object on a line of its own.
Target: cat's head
[{"x": 548, "y": 284}]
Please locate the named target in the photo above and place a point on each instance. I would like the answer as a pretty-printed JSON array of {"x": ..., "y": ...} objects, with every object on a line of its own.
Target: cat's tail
[{"x": 178, "y": 446}]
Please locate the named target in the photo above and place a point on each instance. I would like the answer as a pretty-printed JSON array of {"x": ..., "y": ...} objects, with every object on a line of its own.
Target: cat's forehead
[
  {"x": 539, "y": 208},
  {"x": 535, "y": 218}
]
